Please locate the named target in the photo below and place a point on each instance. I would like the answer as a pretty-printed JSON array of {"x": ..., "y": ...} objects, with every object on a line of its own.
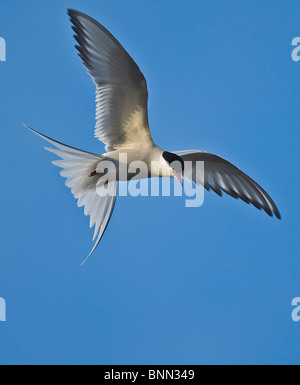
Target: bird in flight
[{"x": 122, "y": 125}]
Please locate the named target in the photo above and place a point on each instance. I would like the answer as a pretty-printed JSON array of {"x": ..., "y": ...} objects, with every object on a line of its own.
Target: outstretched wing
[
  {"x": 98, "y": 200},
  {"x": 220, "y": 175},
  {"x": 122, "y": 96}
]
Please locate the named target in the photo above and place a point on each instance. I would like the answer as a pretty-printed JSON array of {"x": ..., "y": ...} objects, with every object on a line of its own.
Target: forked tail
[{"x": 77, "y": 165}]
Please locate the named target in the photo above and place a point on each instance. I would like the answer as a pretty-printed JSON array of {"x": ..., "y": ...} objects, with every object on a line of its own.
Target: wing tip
[
  {"x": 271, "y": 212},
  {"x": 277, "y": 214},
  {"x": 75, "y": 15},
  {"x": 73, "y": 12}
]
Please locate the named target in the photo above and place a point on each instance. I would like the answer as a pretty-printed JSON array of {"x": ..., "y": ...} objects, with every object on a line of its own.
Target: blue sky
[{"x": 168, "y": 284}]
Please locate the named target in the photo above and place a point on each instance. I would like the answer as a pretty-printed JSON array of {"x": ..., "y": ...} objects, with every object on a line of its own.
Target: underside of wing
[
  {"x": 220, "y": 175},
  {"x": 122, "y": 96}
]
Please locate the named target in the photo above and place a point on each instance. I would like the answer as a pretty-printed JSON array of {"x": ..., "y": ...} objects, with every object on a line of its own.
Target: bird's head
[{"x": 176, "y": 165}]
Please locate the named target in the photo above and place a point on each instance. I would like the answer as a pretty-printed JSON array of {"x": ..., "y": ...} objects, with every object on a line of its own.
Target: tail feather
[{"x": 76, "y": 166}]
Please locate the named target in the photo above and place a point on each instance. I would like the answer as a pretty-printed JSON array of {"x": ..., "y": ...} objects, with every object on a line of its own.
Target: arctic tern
[{"x": 122, "y": 125}]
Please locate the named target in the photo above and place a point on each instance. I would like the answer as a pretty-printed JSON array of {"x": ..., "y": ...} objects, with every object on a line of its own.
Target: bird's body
[
  {"x": 122, "y": 125},
  {"x": 150, "y": 156}
]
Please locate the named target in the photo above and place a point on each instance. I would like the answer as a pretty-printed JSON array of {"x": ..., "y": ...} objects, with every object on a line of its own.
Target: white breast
[{"x": 148, "y": 160}]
